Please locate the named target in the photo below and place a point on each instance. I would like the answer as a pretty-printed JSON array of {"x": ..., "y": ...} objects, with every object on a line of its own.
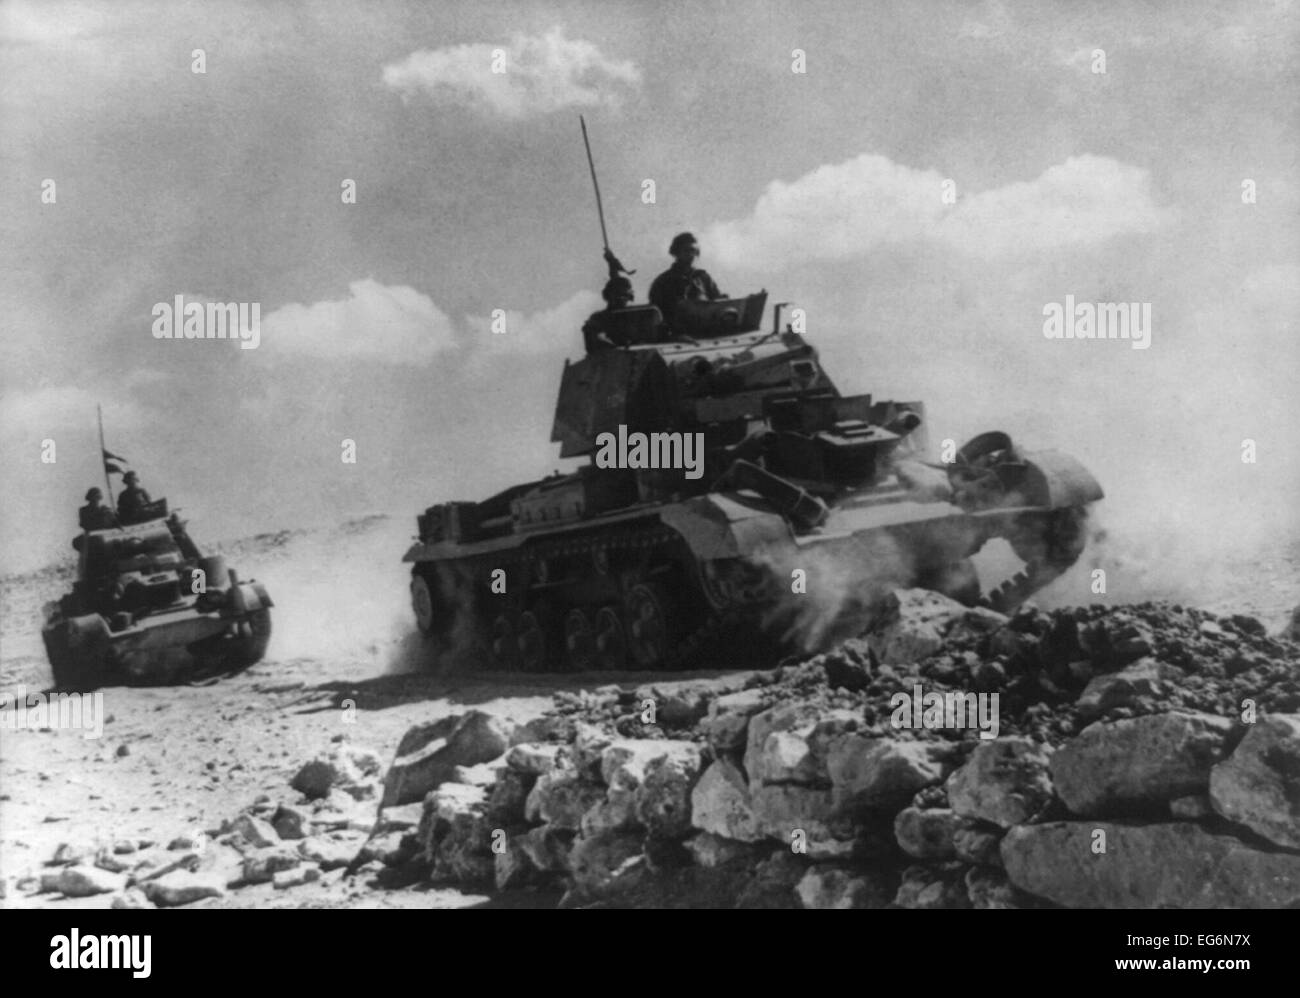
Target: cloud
[
  {"x": 847, "y": 209},
  {"x": 43, "y": 412},
  {"x": 541, "y": 73},
  {"x": 396, "y": 325},
  {"x": 551, "y": 330}
]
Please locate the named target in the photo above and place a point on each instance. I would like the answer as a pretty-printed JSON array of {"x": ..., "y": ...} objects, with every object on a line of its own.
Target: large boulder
[
  {"x": 1170, "y": 865},
  {"x": 475, "y": 738},
  {"x": 1116, "y": 766},
  {"x": 1259, "y": 784},
  {"x": 881, "y": 773},
  {"x": 1005, "y": 782},
  {"x": 720, "y": 803}
]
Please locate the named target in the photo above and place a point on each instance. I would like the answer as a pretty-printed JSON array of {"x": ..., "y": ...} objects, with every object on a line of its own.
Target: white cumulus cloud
[
  {"x": 539, "y": 74},
  {"x": 395, "y": 325},
  {"x": 847, "y": 209},
  {"x": 553, "y": 330}
]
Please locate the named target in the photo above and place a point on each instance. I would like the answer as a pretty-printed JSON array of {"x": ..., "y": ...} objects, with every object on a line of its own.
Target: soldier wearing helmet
[
  {"x": 133, "y": 502},
  {"x": 95, "y": 515},
  {"x": 618, "y": 295},
  {"x": 682, "y": 281}
]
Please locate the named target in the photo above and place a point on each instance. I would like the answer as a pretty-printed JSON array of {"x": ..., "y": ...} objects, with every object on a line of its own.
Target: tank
[
  {"x": 148, "y": 607},
  {"x": 734, "y": 502}
]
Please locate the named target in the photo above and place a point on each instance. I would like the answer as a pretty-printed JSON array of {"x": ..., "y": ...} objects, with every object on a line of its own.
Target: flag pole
[{"x": 107, "y": 478}]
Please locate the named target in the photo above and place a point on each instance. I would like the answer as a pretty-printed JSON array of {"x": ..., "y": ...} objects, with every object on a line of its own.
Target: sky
[{"x": 825, "y": 187}]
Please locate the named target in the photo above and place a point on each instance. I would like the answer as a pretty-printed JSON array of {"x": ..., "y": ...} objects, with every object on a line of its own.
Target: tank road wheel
[
  {"x": 505, "y": 647},
  {"x": 532, "y": 643},
  {"x": 650, "y": 626},
  {"x": 579, "y": 642},
  {"x": 611, "y": 641}
]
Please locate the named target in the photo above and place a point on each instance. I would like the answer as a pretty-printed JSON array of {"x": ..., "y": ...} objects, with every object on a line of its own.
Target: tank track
[{"x": 653, "y": 554}]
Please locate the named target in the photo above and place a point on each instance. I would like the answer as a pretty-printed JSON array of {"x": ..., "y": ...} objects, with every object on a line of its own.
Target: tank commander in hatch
[
  {"x": 595, "y": 331},
  {"x": 95, "y": 515},
  {"x": 683, "y": 281},
  {"x": 132, "y": 504}
]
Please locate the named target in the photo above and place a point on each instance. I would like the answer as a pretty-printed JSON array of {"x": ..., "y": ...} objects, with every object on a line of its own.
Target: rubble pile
[
  {"x": 1143, "y": 756},
  {"x": 1137, "y": 757}
]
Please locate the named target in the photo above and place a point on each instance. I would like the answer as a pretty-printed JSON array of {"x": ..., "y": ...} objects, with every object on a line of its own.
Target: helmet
[
  {"x": 680, "y": 242},
  {"x": 130, "y": 476},
  {"x": 617, "y": 287},
  {"x": 94, "y": 494}
]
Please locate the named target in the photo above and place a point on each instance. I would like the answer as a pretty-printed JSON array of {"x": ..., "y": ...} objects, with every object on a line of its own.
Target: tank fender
[{"x": 1056, "y": 480}]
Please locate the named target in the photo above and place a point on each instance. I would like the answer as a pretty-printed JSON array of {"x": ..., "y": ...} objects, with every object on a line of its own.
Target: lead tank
[
  {"x": 147, "y": 607},
  {"x": 800, "y": 510}
]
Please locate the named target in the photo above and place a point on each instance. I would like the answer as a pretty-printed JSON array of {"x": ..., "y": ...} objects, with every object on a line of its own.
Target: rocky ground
[{"x": 328, "y": 777}]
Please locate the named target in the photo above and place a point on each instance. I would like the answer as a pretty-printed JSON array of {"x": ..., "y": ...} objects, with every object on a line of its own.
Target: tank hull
[{"x": 723, "y": 576}]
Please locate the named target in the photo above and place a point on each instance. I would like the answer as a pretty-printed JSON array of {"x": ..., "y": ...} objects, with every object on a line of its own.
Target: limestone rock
[
  {"x": 727, "y": 721},
  {"x": 827, "y": 887},
  {"x": 598, "y": 863},
  {"x": 546, "y": 848},
  {"x": 1259, "y": 784},
  {"x": 477, "y": 737},
  {"x": 328, "y": 854},
  {"x": 1167, "y": 865},
  {"x": 296, "y": 877},
  {"x": 255, "y": 831},
  {"x": 712, "y": 851},
  {"x": 181, "y": 887},
  {"x": 536, "y": 757},
  {"x": 1120, "y": 689},
  {"x": 721, "y": 804},
  {"x": 1005, "y": 782},
  {"x": 977, "y": 842},
  {"x": 291, "y": 822},
  {"x": 130, "y": 899},
  {"x": 346, "y": 768},
  {"x": 261, "y": 866},
  {"x": 880, "y": 773},
  {"x": 84, "y": 881},
  {"x": 1134, "y": 762},
  {"x": 912, "y": 626},
  {"x": 926, "y": 834},
  {"x": 784, "y": 809},
  {"x": 561, "y": 798}
]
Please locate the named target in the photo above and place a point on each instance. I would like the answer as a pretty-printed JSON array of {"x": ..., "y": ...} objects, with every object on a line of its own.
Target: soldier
[
  {"x": 95, "y": 515},
  {"x": 683, "y": 280},
  {"x": 617, "y": 295},
  {"x": 132, "y": 503}
]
